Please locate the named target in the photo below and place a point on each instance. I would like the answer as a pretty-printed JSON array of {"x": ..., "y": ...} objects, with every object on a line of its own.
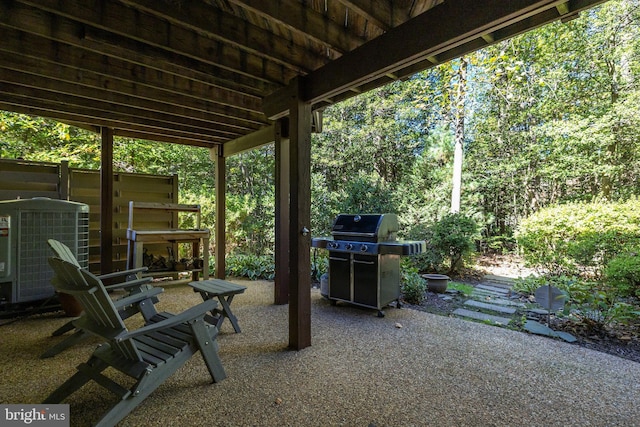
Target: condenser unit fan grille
[{"x": 71, "y": 228}]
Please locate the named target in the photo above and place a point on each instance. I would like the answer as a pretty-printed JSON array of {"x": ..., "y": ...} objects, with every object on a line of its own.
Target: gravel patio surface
[{"x": 409, "y": 368}]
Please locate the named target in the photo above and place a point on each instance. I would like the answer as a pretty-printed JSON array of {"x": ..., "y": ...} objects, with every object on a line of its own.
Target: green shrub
[
  {"x": 578, "y": 238},
  {"x": 622, "y": 273},
  {"x": 585, "y": 299},
  {"x": 589, "y": 250},
  {"x": 252, "y": 266},
  {"x": 573, "y": 286},
  {"x": 413, "y": 286},
  {"x": 450, "y": 240},
  {"x": 602, "y": 308},
  {"x": 319, "y": 263}
]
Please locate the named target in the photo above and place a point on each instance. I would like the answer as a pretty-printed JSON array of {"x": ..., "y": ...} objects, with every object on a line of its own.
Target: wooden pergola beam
[
  {"x": 282, "y": 212},
  {"x": 53, "y": 59},
  {"x": 212, "y": 22},
  {"x": 298, "y": 17},
  {"x": 253, "y": 140},
  {"x": 221, "y": 212},
  {"x": 98, "y": 90},
  {"x": 422, "y": 38},
  {"x": 123, "y": 21},
  {"x": 379, "y": 12},
  {"x": 96, "y": 111},
  {"x": 120, "y": 129}
]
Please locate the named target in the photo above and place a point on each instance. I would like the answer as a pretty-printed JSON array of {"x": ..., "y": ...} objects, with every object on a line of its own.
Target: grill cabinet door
[
  {"x": 365, "y": 280},
  {"x": 340, "y": 276}
]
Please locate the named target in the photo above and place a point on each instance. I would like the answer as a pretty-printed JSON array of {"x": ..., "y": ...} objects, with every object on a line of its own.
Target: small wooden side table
[{"x": 224, "y": 291}]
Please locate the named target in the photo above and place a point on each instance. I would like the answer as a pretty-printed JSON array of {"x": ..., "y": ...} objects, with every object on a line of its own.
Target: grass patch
[{"x": 463, "y": 288}]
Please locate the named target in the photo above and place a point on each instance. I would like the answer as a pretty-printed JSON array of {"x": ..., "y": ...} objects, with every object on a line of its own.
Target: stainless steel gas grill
[{"x": 364, "y": 259}]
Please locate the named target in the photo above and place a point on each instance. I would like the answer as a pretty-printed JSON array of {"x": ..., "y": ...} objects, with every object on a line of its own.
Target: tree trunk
[{"x": 459, "y": 135}]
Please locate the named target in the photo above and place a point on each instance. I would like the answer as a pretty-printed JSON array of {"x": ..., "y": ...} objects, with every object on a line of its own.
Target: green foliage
[
  {"x": 413, "y": 286},
  {"x": 449, "y": 241},
  {"x": 595, "y": 302},
  {"x": 250, "y": 230},
  {"x": 319, "y": 263},
  {"x": 253, "y": 267},
  {"x": 603, "y": 308},
  {"x": 207, "y": 211},
  {"x": 623, "y": 273},
  {"x": 578, "y": 237},
  {"x": 500, "y": 244},
  {"x": 571, "y": 285},
  {"x": 425, "y": 194}
]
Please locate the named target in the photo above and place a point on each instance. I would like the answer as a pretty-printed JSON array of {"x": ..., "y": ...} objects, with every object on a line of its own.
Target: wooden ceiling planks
[{"x": 204, "y": 72}]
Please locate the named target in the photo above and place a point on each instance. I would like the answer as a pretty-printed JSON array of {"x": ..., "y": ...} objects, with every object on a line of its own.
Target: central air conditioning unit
[{"x": 25, "y": 227}]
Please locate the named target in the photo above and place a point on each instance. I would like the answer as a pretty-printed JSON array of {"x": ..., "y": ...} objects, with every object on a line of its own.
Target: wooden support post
[
  {"x": 281, "y": 288},
  {"x": 300, "y": 217},
  {"x": 63, "y": 184},
  {"x": 106, "y": 201},
  {"x": 221, "y": 212}
]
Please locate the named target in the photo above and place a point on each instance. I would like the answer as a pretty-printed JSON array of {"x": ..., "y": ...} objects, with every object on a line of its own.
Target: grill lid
[{"x": 366, "y": 227}]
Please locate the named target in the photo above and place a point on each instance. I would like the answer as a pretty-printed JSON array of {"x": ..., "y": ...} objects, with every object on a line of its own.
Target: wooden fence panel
[
  {"x": 24, "y": 180},
  {"x": 85, "y": 188}
]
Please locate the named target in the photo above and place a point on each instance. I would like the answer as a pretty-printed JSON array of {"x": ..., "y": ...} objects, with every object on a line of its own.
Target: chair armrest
[
  {"x": 189, "y": 314},
  {"x": 123, "y": 273},
  {"x": 140, "y": 296},
  {"x": 129, "y": 284}
]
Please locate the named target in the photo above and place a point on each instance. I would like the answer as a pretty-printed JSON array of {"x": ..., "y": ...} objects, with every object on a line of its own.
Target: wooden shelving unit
[{"x": 138, "y": 238}]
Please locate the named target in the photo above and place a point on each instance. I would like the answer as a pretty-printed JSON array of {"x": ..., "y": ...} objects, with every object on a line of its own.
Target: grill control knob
[
  {"x": 349, "y": 246},
  {"x": 333, "y": 245},
  {"x": 363, "y": 248}
]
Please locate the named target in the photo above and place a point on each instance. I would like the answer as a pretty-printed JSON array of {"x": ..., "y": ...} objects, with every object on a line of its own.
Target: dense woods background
[{"x": 546, "y": 118}]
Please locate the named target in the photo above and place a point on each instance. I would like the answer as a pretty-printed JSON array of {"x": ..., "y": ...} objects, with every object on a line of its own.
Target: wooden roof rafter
[
  {"x": 227, "y": 63},
  {"x": 337, "y": 80}
]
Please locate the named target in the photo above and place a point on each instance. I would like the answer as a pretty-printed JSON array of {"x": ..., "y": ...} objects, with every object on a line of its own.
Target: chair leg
[
  {"x": 72, "y": 340},
  {"x": 120, "y": 410},
  {"x": 76, "y": 381},
  {"x": 147, "y": 383},
  {"x": 64, "y": 328},
  {"x": 206, "y": 339}
]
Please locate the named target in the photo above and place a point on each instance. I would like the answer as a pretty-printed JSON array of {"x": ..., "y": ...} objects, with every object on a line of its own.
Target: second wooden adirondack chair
[
  {"x": 129, "y": 281},
  {"x": 148, "y": 355}
]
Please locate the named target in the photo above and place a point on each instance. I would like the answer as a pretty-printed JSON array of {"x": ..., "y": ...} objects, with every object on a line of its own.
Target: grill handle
[
  {"x": 364, "y": 262},
  {"x": 352, "y": 234}
]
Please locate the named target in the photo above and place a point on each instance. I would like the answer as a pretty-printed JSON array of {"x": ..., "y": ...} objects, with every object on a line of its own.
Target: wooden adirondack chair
[
  {"x": 149, "y": 355},
  {"x": 129, "y": 281}
]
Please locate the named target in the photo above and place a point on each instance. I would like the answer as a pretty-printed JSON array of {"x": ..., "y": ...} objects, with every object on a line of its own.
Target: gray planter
[{"x": 436, "y": 282}]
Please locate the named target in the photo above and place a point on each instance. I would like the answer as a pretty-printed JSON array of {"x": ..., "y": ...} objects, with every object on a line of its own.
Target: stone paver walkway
[
  {"x": 493, "y": 301},
  {"x": 489, "y": 301}
]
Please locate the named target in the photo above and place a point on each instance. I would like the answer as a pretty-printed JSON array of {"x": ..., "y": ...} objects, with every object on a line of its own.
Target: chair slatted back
[
  {"x": 62, "y": 251},
  {"x": 100, "y": 315}
]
